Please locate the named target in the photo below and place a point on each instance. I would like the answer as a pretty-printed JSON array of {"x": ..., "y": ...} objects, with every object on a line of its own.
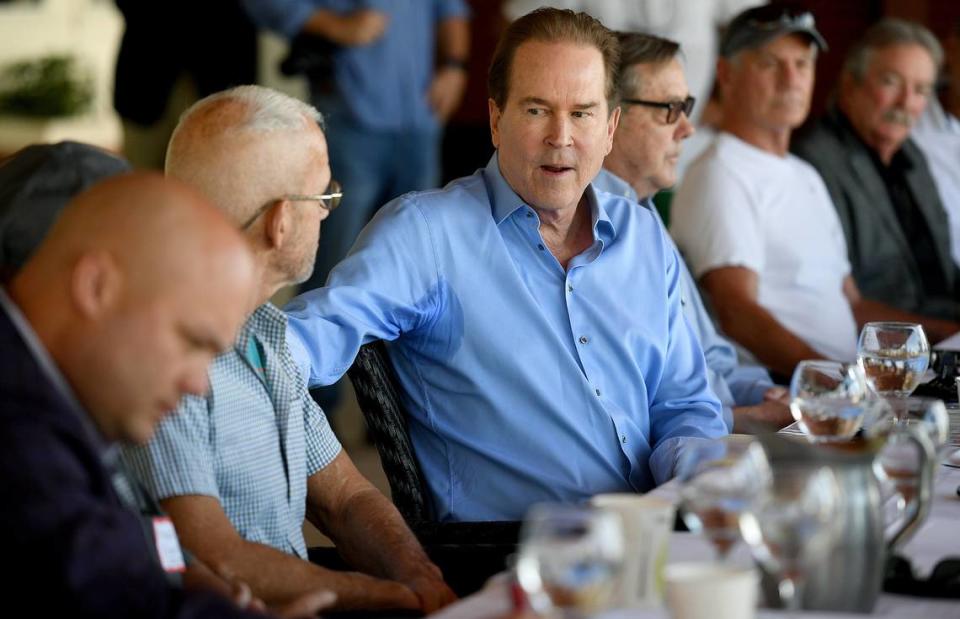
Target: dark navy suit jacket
[{"x": 68, "y": 546}]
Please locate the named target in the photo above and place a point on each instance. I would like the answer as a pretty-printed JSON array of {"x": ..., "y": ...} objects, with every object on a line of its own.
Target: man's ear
[
  {"x": 277, "y": 223},
  {"x": 613, "y": 120},
  {"x": 723, "y": 72},
  {"x": 495, "y": 114},
  {"x": 95, "y": 283}
]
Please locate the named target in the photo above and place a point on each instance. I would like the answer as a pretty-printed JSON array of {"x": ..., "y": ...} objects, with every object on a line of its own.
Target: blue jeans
[{"x": 373, "y": 166}]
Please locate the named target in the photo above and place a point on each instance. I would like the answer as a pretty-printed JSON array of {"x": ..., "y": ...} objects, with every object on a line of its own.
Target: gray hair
[
  {"x": 885, "y": 33},
  {"x": 269, "y": 111},
  {"x": 640, "y": 48}
]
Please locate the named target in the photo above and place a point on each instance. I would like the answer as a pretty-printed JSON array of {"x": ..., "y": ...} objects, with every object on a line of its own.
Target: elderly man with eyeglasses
[
  {"x": 655, "y": 122},
  {"x": 239, "y": 468}
]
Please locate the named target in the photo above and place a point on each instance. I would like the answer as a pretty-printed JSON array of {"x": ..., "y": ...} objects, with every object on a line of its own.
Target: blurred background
[{"x": 58, "y": 59}]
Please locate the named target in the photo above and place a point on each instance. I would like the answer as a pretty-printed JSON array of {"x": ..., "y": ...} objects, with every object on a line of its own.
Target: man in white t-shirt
[{"x": 756, "y": 223}]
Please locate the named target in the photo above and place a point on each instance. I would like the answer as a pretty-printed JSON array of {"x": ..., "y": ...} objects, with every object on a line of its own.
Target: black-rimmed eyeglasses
[
  {"x": 673, "y": 107},
  {"x": 328, "y": 200}
]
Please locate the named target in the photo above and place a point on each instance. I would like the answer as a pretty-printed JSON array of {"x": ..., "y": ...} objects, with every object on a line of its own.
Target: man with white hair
[
  {"x": 896, "y": 229},
  {"x": 238, "y": 469}
]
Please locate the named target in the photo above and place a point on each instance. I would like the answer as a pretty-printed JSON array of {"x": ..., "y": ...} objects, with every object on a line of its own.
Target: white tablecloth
[{"x": 939, "y": 537}]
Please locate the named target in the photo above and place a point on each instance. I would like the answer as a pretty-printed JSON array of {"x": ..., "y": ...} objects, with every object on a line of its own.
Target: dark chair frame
[{"x": 378, "y": 395}]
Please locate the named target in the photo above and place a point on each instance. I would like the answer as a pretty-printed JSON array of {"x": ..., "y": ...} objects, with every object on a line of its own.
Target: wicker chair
[{"x": 468, "y": 552}]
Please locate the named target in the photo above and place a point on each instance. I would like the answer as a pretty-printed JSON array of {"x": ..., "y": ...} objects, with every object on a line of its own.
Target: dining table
[{"x": 937, "y": 539}]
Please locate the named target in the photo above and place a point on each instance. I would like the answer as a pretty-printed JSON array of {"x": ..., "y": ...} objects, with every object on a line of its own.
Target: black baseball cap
[{"x": 754, "y": 27}]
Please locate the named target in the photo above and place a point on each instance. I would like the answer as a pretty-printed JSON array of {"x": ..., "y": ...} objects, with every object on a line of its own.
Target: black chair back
[{"x": 379, "y": 398}]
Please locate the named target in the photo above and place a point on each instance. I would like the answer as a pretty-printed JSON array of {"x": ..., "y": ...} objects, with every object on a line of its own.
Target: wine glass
[
  {"x": 569, "y": 558},
  {"x": 719, "y": 479},
  {"x": 793, "y": 526},
  {"x": 828, "y": 398},
  {"x": 894, "y": 356}
]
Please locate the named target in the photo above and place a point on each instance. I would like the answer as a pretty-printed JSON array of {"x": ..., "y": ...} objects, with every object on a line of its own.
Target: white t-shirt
[{"x": 742, "y": 206}]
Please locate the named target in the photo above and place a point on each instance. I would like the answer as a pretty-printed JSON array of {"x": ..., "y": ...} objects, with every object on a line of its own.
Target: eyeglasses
[
  {"x": 673, "y": 107},
  {"x": 329, "y": 201}
]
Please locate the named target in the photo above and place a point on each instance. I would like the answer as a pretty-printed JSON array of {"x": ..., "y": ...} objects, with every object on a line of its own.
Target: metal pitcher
[{"x": 851, "y": 579}]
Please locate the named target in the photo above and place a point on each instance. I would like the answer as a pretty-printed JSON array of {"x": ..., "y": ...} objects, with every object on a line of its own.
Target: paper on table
[{"x": 951, "y": 343}]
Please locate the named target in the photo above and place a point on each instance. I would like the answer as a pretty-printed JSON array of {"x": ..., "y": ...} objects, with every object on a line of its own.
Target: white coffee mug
[
  {"x": 647, "y": 523},
  {"x": 711, "y": 591}
]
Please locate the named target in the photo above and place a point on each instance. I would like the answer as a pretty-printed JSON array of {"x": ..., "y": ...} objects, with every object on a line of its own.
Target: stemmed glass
[
  {"x": 828, "y": 399},
  {"x": 792, "y": 526},
  {"x": 894, "y": 357},
  {"x": 569, "y": 558},
  {"x": 719, "y": 480}
]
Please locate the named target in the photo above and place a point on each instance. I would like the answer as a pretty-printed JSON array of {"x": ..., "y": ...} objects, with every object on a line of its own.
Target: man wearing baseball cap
[{"x": 756, "y": 223}]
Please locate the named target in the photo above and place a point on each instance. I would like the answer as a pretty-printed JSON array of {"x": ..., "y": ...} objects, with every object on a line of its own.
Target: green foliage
[{"x": 48, "y": 86}]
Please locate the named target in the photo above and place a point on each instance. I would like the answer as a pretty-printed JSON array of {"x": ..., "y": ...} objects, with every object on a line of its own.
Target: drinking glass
[
  {"x": 828, "y": 399},
  {"x": 719, "y": 479},
  {"x": 900, "y": 461},
  {"x": 894, "y": 356},
  {"x": 792, "y": 526},
  {"x": 569, "y": 559}
]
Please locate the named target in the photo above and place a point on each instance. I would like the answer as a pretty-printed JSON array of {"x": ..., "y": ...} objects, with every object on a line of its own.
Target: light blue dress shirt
[
  {"x": 384, "y": 84},
  {"x": 524, "y": 382},
  {"x": 734, "y": 384}
]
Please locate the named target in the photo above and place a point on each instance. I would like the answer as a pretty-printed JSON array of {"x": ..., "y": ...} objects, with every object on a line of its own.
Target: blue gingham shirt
[
  {"x": 251, "y": 443},
  {"x": 524, "y": 381}
]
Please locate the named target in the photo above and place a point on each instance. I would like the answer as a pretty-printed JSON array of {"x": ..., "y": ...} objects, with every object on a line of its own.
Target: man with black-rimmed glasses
[{"x": 655, "y": 122}]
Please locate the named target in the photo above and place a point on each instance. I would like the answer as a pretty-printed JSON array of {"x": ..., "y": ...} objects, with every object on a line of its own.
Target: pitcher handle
[{"x": 928, "y": 462}]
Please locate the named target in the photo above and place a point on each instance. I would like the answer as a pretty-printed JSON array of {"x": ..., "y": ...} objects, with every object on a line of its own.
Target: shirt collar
[
  {"x": 267, "y": 321},
  {"x": 48, "y": 367},
  {"x": 505, "y": 201}
]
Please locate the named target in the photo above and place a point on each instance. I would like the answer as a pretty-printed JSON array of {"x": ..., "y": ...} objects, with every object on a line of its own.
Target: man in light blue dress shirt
[
  {"x": 643, "y": 160},
  {"x": 534, "y": 324}
]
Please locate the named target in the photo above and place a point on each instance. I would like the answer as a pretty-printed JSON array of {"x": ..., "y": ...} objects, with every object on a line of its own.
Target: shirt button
[
  {"x": 529, "y": 215},
  {"x": 585, "y": 340},
  {"x": 623, "y": 439},
  {"x": 569, "y": 288},
  {"x": 540, "y": 246},
  {"x": 598, "y": 393}
]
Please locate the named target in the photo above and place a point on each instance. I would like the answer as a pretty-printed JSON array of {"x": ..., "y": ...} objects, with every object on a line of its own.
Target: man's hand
[
  {"x": 777, "y": 394},
  {"x": 431, "y": 589},
  {"x": 446, "y": 91},
  {"x": 361, "y": 27},
  {"x": 771, "y": 414}
]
